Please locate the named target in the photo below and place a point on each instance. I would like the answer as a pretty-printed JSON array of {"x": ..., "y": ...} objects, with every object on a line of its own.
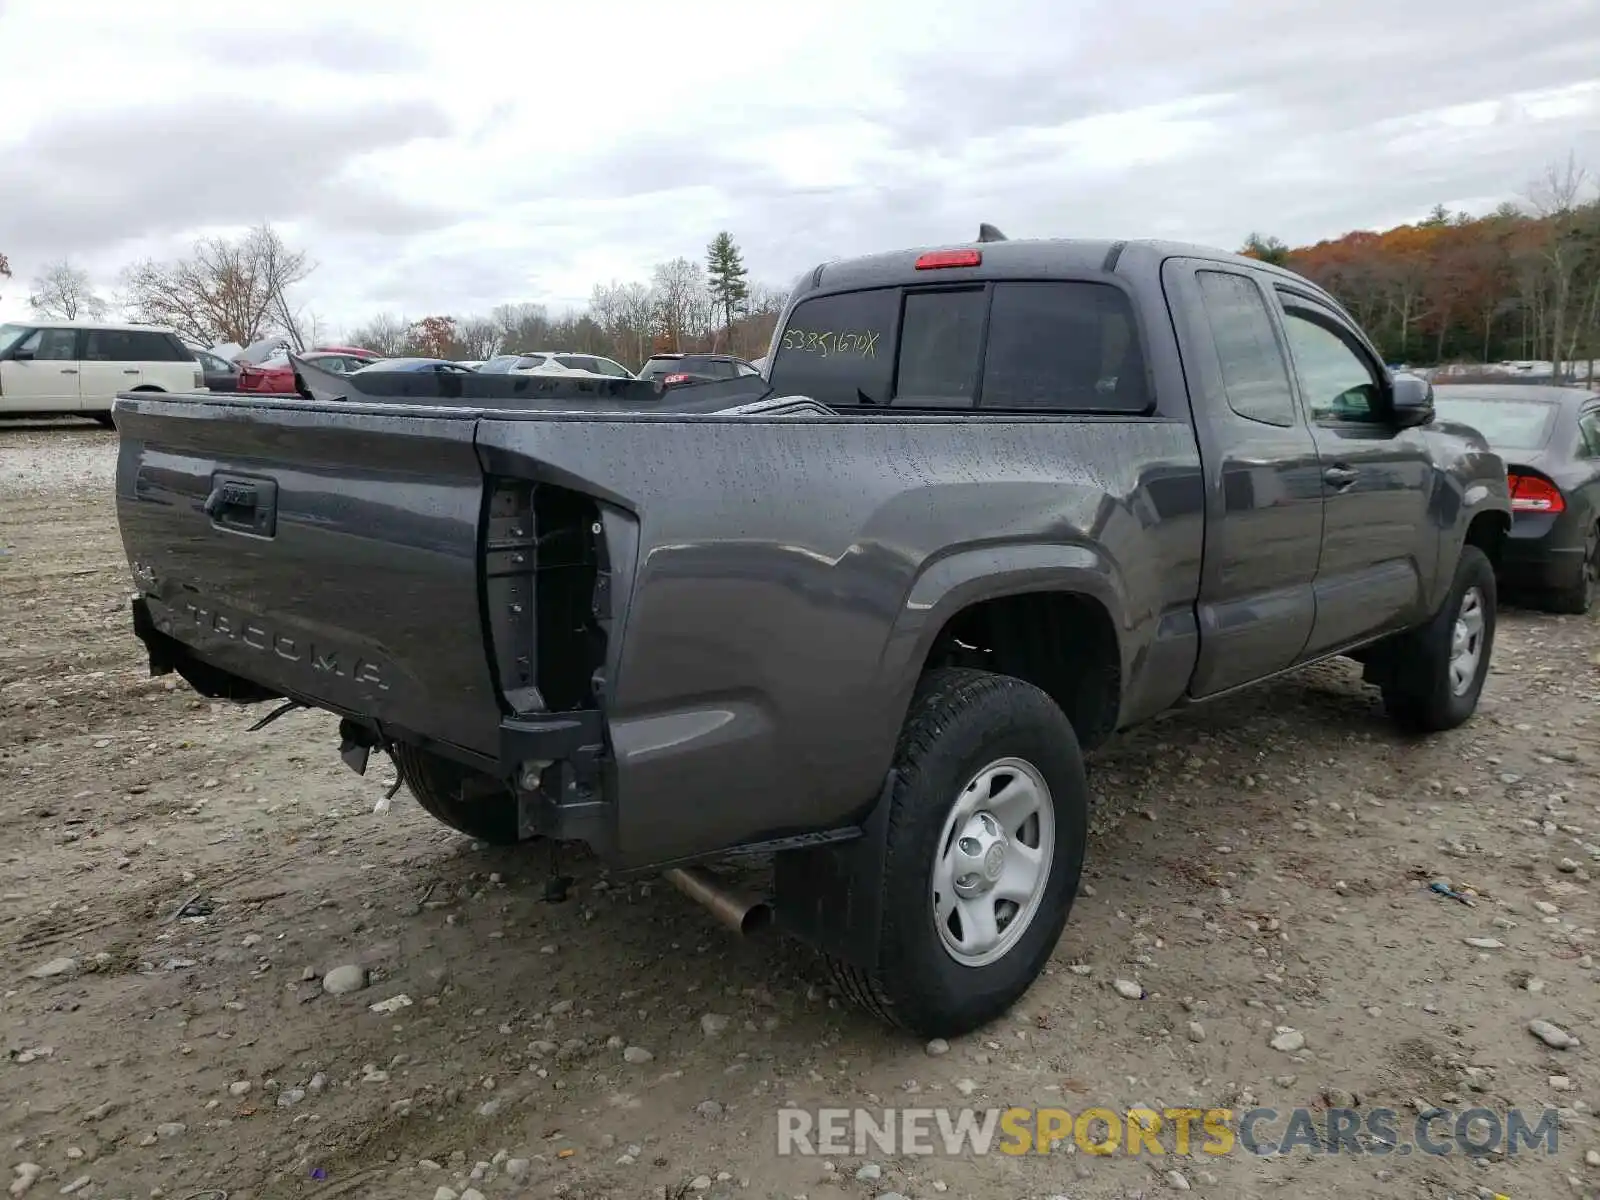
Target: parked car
[
  {"x": 554, "y": 361},
  {"x": 276, "y": 376},
  {"x": 80, "y": 366},
  {"x": 220, "y": 374},
  {"x": 444, "y": 366},
  {"x": 673, "y": 370},
  {"x": 1549, "y": 438},
  {"x": 999, "y": 501}
]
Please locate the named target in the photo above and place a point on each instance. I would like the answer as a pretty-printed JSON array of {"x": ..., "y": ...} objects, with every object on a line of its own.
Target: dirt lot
[{"x": 1257, "y": 864}]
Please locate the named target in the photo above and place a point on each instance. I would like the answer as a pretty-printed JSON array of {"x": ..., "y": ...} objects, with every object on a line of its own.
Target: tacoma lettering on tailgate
[{"x": 322, "y": 660}]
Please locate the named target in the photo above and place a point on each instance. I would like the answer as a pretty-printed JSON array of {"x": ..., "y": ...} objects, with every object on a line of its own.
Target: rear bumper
[
  {"x": 1541, "y": 552},
  {"x": 554, "y": 763}
]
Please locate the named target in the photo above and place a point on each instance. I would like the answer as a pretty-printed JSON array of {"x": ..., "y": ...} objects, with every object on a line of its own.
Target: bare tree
[
  {"x": 233, "y": 291},
  {"x": 63, "y": 292},
  {"x": 522, "y": 326},
  {"x": 386, "y": 333},
  {"x": 636, "y": 311},
  {"x": 680, "y": 295},
  {"x": 5, "y": 267},
  {"x": 1557, "y": 198},
  {"x": 480, "y": 337}
]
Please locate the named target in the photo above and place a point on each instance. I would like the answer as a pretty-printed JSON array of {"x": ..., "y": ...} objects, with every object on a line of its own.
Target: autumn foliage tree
[
  {"x": 1522, "y": 282},
  {"x": 433, "y": 337},
  {"x": 224, "y": 290}
]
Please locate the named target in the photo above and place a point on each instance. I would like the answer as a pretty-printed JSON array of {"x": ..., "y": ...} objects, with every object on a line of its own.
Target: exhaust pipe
[{"x": 738, "y": 912}]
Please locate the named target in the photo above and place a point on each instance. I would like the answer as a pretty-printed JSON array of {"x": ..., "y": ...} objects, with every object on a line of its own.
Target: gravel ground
[{"x": 198, "y": 921}]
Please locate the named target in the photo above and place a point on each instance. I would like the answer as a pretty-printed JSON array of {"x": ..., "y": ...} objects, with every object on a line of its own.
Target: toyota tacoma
[{"x": 992, "y": 503}]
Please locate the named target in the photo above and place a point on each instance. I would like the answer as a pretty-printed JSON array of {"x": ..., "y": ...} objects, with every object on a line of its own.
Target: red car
[{"x": 277, "y": 376}]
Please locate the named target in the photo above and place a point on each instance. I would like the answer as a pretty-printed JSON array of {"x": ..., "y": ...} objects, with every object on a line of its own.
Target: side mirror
[
  {"x": 1411, "y": 397},
  {"x": 22, "y": 356}
]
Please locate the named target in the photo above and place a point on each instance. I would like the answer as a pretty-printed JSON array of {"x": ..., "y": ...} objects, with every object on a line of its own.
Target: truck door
[
  {"x": 1378, "y": 544},
  {"x": 1263, "y": 479}
]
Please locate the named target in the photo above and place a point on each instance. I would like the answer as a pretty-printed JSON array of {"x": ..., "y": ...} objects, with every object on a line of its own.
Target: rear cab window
[{"x": 1021, "y": 346}]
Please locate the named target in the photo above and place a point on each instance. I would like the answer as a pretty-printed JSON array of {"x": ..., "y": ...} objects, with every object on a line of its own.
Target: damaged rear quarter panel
[{"x": 792, "y": 573}]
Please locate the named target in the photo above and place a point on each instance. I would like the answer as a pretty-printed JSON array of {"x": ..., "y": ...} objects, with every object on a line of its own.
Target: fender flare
[{"x": 969, "y": 575}]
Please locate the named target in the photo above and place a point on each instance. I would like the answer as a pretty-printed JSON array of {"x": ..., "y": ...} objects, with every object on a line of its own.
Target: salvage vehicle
[
  {"x": 1549, "y": 438},
  {"x": 993, "y": 503}
]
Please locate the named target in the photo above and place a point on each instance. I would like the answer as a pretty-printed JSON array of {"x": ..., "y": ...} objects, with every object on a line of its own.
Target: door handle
[
  {"x": 130, "y": 370},
  {"x": 69, "y": 370},
  {"x": 1339, "y": 477}
]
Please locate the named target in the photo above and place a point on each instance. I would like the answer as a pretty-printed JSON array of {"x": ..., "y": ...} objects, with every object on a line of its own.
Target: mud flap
[{"x": 831, "y": 897}]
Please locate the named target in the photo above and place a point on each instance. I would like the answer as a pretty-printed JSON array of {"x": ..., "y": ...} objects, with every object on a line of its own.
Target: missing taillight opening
[{"x": 1534, "y": 494}]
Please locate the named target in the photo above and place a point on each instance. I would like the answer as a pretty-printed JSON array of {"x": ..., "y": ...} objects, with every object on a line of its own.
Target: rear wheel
[
  {"x": 1437, "y": 672},
  {"x": 985, "y": 843},
  {"x": 1579, "y": 597},
  {"x": 476, "y": 804}
]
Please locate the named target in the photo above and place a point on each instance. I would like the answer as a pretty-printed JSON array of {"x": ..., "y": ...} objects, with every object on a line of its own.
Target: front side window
[
  {"x": 52, "y": 345},
  {"x": 1337, "y": 382}
]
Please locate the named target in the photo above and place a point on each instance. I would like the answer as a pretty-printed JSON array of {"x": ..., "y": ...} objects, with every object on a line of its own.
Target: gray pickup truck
[{"x": 991, "y": 504}]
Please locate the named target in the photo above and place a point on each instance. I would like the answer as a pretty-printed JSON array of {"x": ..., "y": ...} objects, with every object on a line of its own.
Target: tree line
[
  {"x": 245, "y": 289},
  {"x": 681, "y": 307},
  {"x": 1522, "y": 282}
]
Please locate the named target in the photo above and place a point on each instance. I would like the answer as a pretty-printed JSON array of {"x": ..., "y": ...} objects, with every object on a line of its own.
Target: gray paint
[{"x": 781, "y": 578}]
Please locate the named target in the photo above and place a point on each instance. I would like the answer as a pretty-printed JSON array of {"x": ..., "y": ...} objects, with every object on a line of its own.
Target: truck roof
[{"x": 1041, "y": 257}]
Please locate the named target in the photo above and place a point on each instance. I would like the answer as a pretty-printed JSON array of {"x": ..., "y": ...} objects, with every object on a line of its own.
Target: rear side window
[
  {"x": 1253, "y": 371},
  {"x": 1589, "y": 434},
  {"x": 1063, "y": 347},
  {"x": 156, "y": 347},
  {"x": 110, "y": 345}
]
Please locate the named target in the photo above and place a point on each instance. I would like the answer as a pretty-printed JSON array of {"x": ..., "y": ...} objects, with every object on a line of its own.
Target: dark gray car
[
  {"x": 998, "y": 502},
  {"x": 220, "y": 374},
  {"x": 1550, "y": 440}
]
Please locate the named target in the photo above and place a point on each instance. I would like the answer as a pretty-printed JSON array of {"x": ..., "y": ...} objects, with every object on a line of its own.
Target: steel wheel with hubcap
[
  {"x": 993, "y": 861},
  {"x": 1432, "y": 676},
  {"x": 1466, "y": 641},
  {"x": 985, "y": 834}
]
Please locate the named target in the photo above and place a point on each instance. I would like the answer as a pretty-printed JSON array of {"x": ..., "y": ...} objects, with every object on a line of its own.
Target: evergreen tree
[{"x": 725, "y": 276}]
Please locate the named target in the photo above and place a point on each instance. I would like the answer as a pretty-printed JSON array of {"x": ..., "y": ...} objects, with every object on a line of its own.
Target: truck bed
[{"x": 715, "y": 611}]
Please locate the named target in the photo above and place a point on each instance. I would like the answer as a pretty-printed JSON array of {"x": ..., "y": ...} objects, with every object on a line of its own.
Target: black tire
[
  {"x": 466, "y": 800},
  {"x": 960, "y": 722},
  {"x": 1418, "y": 692},
  {"x": 1579, "y": 598}
]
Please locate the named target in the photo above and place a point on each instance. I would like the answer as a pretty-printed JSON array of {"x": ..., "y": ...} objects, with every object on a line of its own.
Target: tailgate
[{"x": 327, "y": 552}]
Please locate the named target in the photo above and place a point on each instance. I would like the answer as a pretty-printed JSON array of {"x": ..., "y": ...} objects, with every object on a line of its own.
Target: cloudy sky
[{"x": 449, "y": 157}]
